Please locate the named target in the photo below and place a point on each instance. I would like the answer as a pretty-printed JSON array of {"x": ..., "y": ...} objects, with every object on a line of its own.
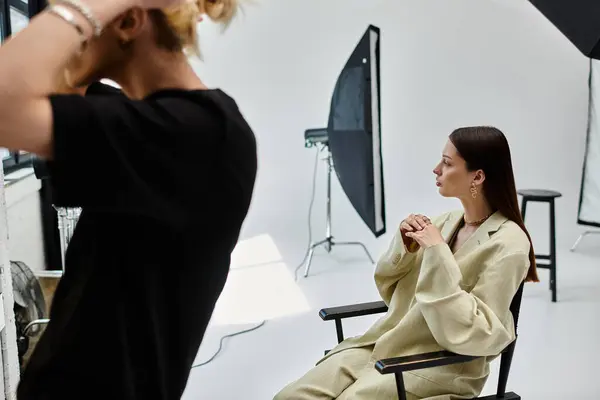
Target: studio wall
[{"x": 443, "y": 65}]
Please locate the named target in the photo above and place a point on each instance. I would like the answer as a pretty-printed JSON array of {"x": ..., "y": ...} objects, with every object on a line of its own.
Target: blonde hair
[{"x": 176, "y": 27}]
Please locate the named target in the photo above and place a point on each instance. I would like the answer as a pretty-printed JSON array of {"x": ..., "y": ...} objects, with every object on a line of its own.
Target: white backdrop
[{"x": 444, "y": 64}]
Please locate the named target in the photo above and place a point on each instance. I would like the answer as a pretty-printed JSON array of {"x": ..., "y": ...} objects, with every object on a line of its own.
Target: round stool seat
[{"x": 539, "y": 194}]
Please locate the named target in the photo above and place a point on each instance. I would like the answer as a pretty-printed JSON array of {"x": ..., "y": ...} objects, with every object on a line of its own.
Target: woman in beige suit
[{"x": 448, "y": 283}]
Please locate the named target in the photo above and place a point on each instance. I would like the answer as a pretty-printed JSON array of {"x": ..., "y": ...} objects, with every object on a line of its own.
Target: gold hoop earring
[{"x": 474, "y": 191}]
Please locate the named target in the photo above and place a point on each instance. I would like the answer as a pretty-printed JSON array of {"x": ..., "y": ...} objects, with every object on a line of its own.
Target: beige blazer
[{"x": 458, "y": 302}]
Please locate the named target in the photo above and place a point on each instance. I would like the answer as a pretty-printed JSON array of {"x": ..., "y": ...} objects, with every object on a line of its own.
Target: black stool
[{"x": 544, "y": 196}]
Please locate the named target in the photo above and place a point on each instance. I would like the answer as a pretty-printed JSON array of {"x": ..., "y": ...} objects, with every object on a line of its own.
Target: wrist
[
  {"x": 435, "y": 245},
  {"x": 413, "y": 247},
  {"x": 409, "y": 244}
]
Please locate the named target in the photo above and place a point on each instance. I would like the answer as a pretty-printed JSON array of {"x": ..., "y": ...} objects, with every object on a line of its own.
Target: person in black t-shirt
[{"x": 164, "y": 171}]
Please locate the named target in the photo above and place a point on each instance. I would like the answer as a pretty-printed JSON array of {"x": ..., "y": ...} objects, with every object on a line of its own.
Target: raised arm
[
  {"x": 397, "y": 261},
  {"x": 393, "y": 265},
  {"x": 478, "y": 323},
  {"x": 31, "y": 61}
]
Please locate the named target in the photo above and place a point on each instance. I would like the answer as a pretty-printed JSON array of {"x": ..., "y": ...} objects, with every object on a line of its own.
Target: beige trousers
[{"x": 347, "y": 375}]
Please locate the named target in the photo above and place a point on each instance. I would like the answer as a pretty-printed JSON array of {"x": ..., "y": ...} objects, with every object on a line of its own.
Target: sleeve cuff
[{"x": 440, "y": 274}]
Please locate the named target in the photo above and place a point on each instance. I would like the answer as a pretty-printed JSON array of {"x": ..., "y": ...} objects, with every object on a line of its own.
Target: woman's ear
[
  {"x": 130, "y": 25},
  {"x": 479, "y": 177}
]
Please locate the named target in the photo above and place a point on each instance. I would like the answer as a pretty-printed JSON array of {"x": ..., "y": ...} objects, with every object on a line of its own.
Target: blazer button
[{"x": 396, "y": 259}]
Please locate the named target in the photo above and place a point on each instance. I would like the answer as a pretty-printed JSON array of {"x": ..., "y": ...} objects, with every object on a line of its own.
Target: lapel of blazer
[
  {"x": 480, "y": 236},
  {"x": 451, "y": 224}
]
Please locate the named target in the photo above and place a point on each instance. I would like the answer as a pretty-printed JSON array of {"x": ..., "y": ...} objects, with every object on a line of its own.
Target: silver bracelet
[
  {"x": 67, "y": 15},
  {"x": 87, "y": 14}
]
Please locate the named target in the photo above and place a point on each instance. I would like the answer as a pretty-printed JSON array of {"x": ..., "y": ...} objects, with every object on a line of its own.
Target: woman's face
[{"x": 452, "y": 177}]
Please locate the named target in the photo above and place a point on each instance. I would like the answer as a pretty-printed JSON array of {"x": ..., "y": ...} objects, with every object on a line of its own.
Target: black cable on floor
[{"x": 225, "y": 337}]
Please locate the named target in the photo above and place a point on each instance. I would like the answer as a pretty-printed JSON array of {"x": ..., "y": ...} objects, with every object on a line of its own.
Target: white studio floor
[{"x": 555, "y": 357}]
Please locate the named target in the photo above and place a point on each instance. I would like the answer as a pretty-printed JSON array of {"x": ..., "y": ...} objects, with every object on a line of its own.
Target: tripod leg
[
  {"x": 356, "y": 244},
  {"x": 584, "y": 234},
  {"x": 311, "y": 251},
  {"x": 309, "y": 260},
  {"x": 577, "y": 241}
]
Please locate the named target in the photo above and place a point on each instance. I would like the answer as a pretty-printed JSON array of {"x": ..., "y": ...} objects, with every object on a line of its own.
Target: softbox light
[
  {"x": 578, "y": 20},
  {"x": 354, "y": 130},
  {"x": 589, "y": 202}
]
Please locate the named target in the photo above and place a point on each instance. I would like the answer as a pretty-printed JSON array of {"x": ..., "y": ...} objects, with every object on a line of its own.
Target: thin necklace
[{"x": 478, "y": 222}]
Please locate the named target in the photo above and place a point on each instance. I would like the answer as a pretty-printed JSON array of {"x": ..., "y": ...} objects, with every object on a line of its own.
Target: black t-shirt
[{"x": 165, "y": 184}]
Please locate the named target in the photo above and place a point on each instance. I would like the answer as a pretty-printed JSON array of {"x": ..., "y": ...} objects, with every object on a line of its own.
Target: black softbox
[
  {"x": 589, "y": 196},
  {"x": 578, "y": 20},
  {"x": 354, "y": 131}
]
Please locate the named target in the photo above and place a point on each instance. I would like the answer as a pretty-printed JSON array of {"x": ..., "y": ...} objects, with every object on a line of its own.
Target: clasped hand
[{"x": 418, "y": 231}]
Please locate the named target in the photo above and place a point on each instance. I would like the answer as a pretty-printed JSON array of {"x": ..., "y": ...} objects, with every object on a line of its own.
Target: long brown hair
[{"x": 486, "y": 148}]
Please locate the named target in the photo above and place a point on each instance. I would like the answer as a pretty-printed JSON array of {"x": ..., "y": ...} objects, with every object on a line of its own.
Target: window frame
[{"x": 21, "y": 6}]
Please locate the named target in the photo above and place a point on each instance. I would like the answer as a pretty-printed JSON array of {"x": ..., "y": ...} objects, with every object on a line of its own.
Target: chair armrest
[
  {"x": 420, "y": 361},
  {"x": 353, "y": 310}
]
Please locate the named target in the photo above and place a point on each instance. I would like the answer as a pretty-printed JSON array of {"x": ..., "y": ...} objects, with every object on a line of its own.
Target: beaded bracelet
[
  {"x": 87, "y": 14},
  {"x": 67, "y": 15}
]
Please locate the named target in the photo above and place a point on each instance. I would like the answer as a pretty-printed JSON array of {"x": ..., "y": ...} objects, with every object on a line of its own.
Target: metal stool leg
[{"x": 553, "y": 251}]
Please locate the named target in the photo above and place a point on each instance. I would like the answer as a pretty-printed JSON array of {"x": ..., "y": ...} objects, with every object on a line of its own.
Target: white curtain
[{"x": 589, "y": 207}]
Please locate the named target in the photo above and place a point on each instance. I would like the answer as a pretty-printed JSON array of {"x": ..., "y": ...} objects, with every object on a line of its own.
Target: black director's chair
[{"x": 398, "y": 365}]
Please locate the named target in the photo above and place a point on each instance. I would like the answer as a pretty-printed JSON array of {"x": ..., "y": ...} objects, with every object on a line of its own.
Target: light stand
[
  {"x": 328, "y": 242},
  {"x": 584, "y": 234}
]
